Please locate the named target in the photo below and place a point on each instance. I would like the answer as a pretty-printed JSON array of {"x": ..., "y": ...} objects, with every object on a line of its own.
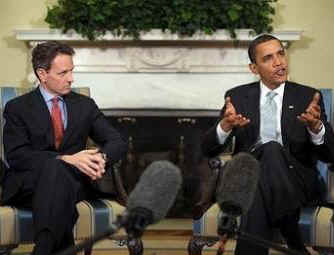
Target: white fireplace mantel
[
  {"x": 154, "y": 35},
  {"x": 161, "y": 70}
]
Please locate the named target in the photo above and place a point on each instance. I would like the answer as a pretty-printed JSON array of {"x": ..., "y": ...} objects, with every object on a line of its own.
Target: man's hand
[
  {"x": 231, "y": 119},
  {"x": 91, "y": 162},
  {"x": 311, "y": 116}
]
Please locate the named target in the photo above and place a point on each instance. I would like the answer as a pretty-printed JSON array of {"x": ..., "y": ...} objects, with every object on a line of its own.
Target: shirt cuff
[
  {"x": 318, "y": 139},
  {"x": 221, "y": 134}
]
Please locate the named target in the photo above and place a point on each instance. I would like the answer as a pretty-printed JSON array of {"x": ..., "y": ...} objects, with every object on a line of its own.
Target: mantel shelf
[{"x": 154, "y": 35}]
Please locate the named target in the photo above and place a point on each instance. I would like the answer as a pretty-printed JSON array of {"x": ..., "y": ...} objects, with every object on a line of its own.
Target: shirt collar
[
  {"x": 47, "y": 95},
  {"x": 279, "y": 90}
]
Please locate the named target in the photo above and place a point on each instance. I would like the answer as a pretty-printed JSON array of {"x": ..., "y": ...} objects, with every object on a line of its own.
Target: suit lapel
[
  {"x": 72, "y": 116},
  {"x": 39, "y": 107},
  {"x": 252, "y": 110},
  {"x": 288, "y": 110}
]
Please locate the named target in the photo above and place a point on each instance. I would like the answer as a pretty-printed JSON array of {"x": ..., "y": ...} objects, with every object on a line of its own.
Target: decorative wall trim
[{"x": 153, "y": 35}]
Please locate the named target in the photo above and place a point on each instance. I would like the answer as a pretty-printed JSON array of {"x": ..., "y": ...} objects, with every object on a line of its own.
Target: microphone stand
[
  {"x": 115, "y": 226},
  {"x": 266, "y": 244},
  {"x": 228, "y": 228}
]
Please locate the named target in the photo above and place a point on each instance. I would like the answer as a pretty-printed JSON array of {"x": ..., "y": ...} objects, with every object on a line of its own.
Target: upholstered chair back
[{"x": 8, "y": 93}]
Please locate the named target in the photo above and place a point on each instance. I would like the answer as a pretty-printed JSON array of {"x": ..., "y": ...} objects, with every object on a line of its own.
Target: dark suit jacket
[
  {"x": 296, "y": 139},
  {"x": 28, "y": 135}
]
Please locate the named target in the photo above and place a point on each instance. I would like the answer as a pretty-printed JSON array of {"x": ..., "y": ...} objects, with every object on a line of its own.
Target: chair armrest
[{"x": 122, "y": 195}]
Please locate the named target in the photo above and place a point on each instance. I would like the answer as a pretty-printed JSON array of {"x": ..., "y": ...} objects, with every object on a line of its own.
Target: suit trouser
[
  {"x": 276, "y": 203},
  {"x": 52, "y": 193}
]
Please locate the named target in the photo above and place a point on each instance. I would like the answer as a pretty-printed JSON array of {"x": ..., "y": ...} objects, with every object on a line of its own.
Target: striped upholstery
[
  {"x": 316, "y": 222},
  {"x": 207, "y": 225},
  {"x": 94, "y": 217},
  {"x": 323, "y": 168},
  {"x": 7, "y": 93},
  {"x": 16, "y": 224},
  {"x": 322, "y": 227},
  {"x": 319, "y": 230}
]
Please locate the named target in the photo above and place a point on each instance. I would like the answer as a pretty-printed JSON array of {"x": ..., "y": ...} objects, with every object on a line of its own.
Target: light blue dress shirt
[{"x": 48, "y": 97}]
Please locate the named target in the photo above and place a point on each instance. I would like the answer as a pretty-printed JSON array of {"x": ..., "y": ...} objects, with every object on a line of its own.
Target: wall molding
[{"x": 153, "y": 35}]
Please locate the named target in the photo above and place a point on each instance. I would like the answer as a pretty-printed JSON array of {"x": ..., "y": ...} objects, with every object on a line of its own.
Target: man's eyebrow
[
  {"x": 271, "y": 54},
  {"x": 267, "y": 56},
  {"x": 67, "y": 70}
]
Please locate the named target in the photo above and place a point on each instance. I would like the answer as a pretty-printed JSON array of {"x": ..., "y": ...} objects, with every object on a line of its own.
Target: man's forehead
[
  {"x": 269, "y": 47},
  {"x": 62, "y": 61}
]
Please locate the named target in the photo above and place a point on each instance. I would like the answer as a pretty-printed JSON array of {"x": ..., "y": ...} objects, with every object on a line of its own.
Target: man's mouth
[{"x": 280, "y": 72}]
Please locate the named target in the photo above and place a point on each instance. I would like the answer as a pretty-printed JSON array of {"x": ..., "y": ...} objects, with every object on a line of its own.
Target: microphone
[
  {"x": 153, "y": 196},
  {"x": 236, "y": 189},
  {"x": 238, "y": 184},
  {"x": 148, "y": 203},
  {"x": 235, "y": 193}
]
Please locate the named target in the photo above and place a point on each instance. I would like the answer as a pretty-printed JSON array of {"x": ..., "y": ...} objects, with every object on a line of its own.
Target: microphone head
[
  {"x": 237, "y": 184},
  {"x": 156, "y": 190}
]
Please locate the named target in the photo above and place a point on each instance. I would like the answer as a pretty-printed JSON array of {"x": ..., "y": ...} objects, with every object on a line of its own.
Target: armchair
[
  {"x": 16, "y": 224},
  {"x": 316, "y": 222}
]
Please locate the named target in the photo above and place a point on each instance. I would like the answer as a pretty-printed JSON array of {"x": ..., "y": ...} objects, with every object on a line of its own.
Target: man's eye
[{"x": 266, "y": 58}]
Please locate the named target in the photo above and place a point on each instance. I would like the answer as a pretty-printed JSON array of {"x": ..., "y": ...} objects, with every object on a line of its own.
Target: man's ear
[
  {"x": 253, "y": 68},
  {"x": 41, "y": 74}
]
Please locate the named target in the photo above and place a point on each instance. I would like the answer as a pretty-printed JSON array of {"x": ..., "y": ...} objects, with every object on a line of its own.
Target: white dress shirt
[{"x": 316, "y": 139}]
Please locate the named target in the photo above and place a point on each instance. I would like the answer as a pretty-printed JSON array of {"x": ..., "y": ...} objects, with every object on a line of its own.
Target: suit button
[{"x": 291, "y": 166}]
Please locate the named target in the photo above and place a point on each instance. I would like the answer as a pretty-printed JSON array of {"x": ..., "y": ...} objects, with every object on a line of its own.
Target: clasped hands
[
  {"x": 311, "y": 116},
  {"x": 91, "y": 162}
]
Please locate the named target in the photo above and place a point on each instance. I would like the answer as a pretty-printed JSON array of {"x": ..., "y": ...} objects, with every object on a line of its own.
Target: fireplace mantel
[
  {"x": 32, "y": 35},
  {"x": 161, "y": 70}
]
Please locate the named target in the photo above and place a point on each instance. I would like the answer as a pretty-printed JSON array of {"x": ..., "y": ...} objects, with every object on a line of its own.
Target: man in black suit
[
  {"x": 298, "y": 135},
  {"x": 45, "y": 137}
]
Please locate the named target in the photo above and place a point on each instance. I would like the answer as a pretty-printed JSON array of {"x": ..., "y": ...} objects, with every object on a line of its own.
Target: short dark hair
[
  {"x": 258, "y": 40},
  {"x": 44, "y": 53}
]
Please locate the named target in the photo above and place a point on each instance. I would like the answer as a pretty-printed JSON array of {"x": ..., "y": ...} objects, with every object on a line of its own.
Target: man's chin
[
  {"x": 66, "y": 91},
  {"x": 273, "y": 84},
  {"x": 281, "y": 80}
]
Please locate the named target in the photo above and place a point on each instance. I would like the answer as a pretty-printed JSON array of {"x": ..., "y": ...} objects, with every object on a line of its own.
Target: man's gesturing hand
[
  {"x": 91, "y": 162},
  {"x": 231, "y": 119},
  {"x": 311, "y": 116}
]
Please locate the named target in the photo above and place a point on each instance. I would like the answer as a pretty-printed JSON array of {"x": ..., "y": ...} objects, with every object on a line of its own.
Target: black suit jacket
[
  {"x": 29, "y": 141},
  {"x": 296, "y": 138}
]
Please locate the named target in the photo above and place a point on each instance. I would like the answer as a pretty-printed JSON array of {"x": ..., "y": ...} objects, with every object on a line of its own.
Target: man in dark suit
[
  {"x": 45, "y": 137},
  {"x": 287, "y": 142}
]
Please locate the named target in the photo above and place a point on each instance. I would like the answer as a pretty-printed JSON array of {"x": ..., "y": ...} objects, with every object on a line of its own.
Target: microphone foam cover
[
  {"x": 156, "y": 189},
  {"x": 237, "y": 184}
]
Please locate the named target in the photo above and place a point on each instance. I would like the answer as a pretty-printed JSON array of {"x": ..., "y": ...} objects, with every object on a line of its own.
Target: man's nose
[
  {"x": 70, "y": 77},
  {"x": 277, "y": 61}
]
